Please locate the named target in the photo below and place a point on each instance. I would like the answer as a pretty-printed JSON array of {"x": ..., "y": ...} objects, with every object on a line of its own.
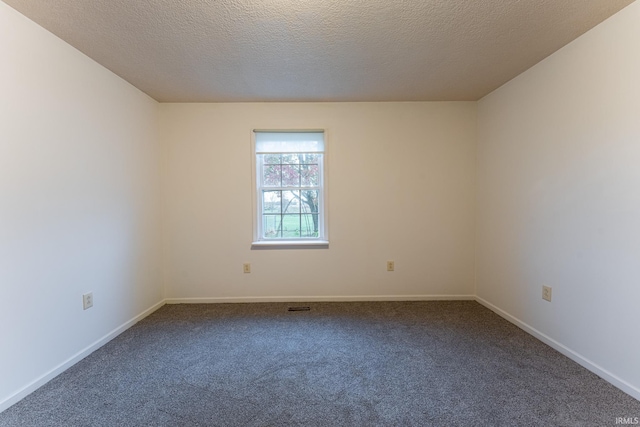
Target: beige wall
[
  {"x": 400, "y": 179},
  {"x": 79, "y": 202},
  {"x": 559, "y": 199}
]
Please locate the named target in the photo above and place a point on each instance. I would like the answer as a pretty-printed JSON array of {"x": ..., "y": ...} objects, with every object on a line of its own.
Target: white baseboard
[
  {"x": 39, "y": 382},
  {"x": 576, "y": 357},
  {"x": 348, "y": 298}
]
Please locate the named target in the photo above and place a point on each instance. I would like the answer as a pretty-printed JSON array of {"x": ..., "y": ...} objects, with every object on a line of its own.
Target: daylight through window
[{"x": 290, "y": 185}]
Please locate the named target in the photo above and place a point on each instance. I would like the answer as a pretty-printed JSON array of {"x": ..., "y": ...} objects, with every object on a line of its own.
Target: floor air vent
[{"x": 301, "y": 308}]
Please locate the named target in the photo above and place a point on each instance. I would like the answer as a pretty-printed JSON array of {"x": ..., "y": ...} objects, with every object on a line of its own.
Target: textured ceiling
[{"x": 317, "y": 50}]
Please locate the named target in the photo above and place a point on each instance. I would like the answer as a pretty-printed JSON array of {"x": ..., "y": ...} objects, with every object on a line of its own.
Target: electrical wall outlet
[
  {"x": 546, "y": 293},
  {"x": 391, "y": 265},
  {"x": 246, "y": 267},
  {"x": 87, "y": 300}
]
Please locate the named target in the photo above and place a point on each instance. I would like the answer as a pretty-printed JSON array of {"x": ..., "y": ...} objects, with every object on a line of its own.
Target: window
[{"x": 290, "y": 191}]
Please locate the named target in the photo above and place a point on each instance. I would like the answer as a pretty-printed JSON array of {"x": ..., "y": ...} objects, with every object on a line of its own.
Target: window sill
[{"x": 290, "y": 244}]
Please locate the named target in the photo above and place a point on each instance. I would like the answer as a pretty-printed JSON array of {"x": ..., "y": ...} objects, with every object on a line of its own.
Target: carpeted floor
[{"x": 339, "y": 364}]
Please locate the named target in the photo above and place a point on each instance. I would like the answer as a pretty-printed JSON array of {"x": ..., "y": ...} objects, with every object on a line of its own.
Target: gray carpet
[{"x": 339, "y": 364}]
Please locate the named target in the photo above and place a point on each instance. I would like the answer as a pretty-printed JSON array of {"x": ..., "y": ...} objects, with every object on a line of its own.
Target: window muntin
[{"x": 290, "y": 186}]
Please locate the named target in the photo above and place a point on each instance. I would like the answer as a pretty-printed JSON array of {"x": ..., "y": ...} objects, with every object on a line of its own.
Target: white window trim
[{"x": 322, "y": 241}]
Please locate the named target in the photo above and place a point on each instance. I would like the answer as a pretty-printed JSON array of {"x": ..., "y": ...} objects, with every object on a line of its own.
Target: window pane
[
  {"x": 291, "y": 226},
  {"x": 290, "y": 176},
  {"x": 272, "y": 159},
  {"x": 291, "y": 202},
  {"x": 309, "y": 158},
  {"x": 309, "y": 225},
  {"x": 272, "y": 175},
  {"x": 272, "y": 226},
  {"x": 309, "y": 175},
  {"x": 309, "y": 201},
  {"x": 291, "y": 159},
  {"x": 272, "y": 201}
]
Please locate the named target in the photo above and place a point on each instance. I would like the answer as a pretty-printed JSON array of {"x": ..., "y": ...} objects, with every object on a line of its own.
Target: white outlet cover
[{"x": 87, "y": 300}]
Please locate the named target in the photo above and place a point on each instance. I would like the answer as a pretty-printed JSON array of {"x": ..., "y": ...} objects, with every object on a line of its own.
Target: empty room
[{"x": 319, "y": 213}]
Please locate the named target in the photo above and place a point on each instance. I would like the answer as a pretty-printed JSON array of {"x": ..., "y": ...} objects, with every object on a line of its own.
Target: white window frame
[{"x": 323, "y": 229}]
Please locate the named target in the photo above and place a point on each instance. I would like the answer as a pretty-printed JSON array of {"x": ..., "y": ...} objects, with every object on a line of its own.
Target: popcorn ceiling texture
[{"x": 323, "y": 50}]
